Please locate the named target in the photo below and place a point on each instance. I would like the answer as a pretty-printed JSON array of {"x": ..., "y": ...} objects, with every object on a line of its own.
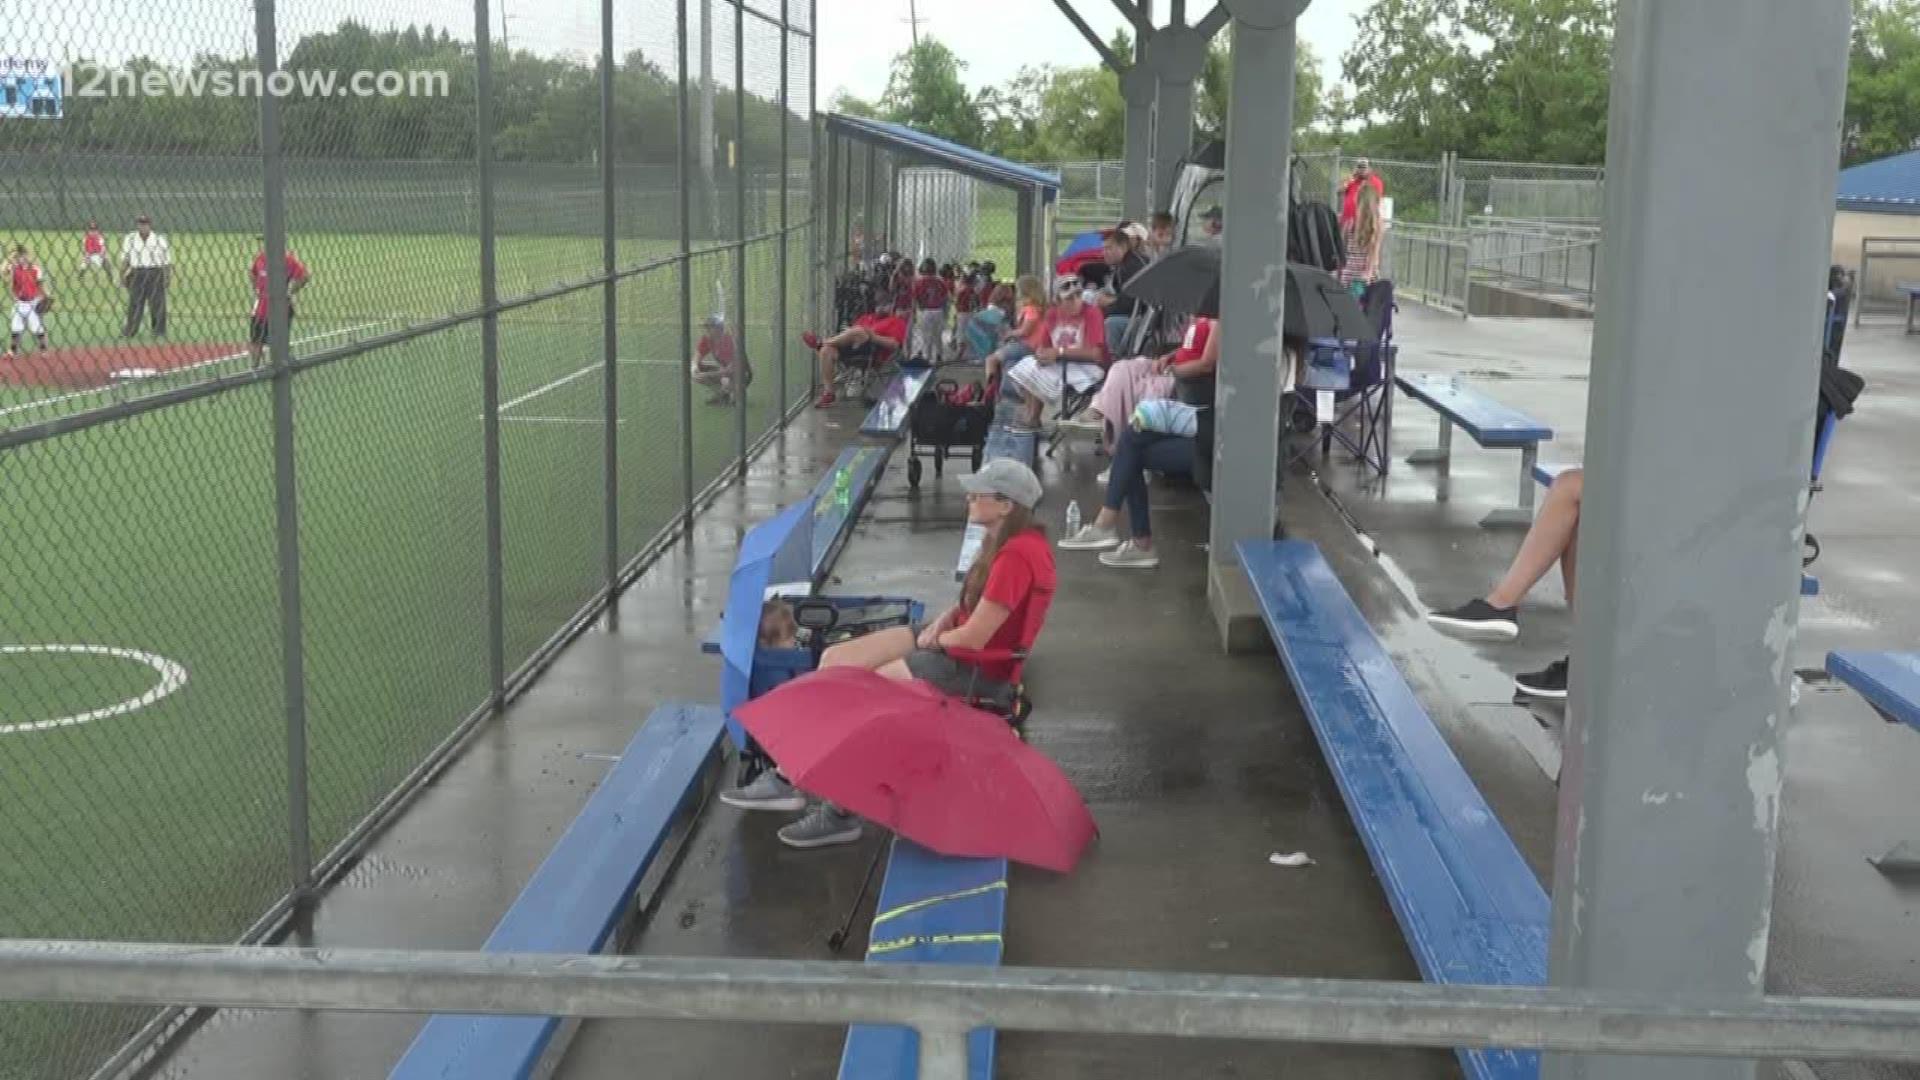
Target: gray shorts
[{"x": 957, "y": 679}]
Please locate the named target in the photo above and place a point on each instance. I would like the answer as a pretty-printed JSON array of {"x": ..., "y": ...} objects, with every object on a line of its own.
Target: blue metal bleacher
[
  {"x": 1889, "y": 681},
  {"x": 1472, "y": 910},
  {"x": 889, "y": 416},
  {"x": 1491, "y": 424},
  {"x": 1546, "y": 473},
  {"x": 842, "y": 492},
  {"x": 932, "y": 910},
  {"x": 581, "y": 895}
]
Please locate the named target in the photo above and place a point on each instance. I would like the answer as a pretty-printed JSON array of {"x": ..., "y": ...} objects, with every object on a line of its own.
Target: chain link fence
[{"x": 329, "y": 414}]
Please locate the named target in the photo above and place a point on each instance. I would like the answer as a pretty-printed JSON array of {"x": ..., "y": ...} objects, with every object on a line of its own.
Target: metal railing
[
  {"x": 1886, "y": 264},
  {"x": 1430, "y": 263},
  {"x": 259, "y": 600},
  {"x": 1556, "y": 259},
  {"x": 943, "y": 1003}
]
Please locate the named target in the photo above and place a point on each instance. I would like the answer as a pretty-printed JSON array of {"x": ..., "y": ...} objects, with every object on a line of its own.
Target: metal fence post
[
  {"x": 740, "y": 224},
  {"x": 686, "y": 281},
  {"x": 872, "y": 193},
  {"x": 490, "y": 356},
  {"x": 609, "y": 258},
  {"x": 816, "y": 237},
  {"x": 780, "y": 327},
  {"x": 285, "y": 474}
]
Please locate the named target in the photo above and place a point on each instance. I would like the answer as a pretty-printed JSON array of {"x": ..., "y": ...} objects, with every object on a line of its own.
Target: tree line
[
  {"x": 1502, "y": 80},
  {"x": 544, "y": 109}
]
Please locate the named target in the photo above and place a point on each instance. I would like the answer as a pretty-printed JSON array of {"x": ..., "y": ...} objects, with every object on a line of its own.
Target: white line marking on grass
[
  {"x": 172, "y": 677},
  {"x": 595, "y": 421},
  {"x": 42, "y": 403},
  {"x": 554, "y": 385}
]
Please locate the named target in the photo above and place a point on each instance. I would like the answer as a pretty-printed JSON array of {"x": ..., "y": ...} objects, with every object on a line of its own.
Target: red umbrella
[{"x": 938, "y": 772}]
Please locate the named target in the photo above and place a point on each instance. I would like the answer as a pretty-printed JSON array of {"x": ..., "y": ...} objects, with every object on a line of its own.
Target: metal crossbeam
[
  {"x": 1107, "y": 57},
  {"x": 946, "y": 1001}
]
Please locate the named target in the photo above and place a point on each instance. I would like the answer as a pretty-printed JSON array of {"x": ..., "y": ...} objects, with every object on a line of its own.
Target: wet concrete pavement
[
  {"x": 1840, "y": 927},
  {"x": 1197, "y": 765}
]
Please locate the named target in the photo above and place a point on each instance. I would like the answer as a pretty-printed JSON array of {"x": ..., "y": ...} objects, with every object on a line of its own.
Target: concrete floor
[
  {"x": 1840, "y": 927},
  {"x": 1197, "y": 765}
]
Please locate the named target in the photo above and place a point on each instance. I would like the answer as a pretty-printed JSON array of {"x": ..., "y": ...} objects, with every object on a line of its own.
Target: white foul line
[
  {"x": 564, "y": 380},
  {"x": 42, "y": 403}
]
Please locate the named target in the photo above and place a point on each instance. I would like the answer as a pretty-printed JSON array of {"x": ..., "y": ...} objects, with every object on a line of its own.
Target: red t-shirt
[
  {"x": 1350, "y": 195},
  {"x": 296, "y": 271},
  {"x": 891, "y": 327},
  {"x": 1021, "y": 580},
  {"x": 722, "y": 352},
  {"x": 929, "y": 293},
  {"x": 1195, "y": 343},
  {"x": 26, "y": 282},
  {"x": 94, "y": 244},
  {"x": 966, "y": 301},
  {"x": 1063, "y": 332}
]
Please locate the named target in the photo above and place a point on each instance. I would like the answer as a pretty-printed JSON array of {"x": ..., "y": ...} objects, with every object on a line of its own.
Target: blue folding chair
[{"x": 1363, "y": 415}]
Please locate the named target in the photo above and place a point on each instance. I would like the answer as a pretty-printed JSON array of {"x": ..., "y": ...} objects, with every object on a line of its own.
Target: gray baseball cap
[{"x": 1006, "y": 478}]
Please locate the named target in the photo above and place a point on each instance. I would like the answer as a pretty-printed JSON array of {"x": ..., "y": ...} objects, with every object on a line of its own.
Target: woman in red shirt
[{"x": 966, "y": 652}]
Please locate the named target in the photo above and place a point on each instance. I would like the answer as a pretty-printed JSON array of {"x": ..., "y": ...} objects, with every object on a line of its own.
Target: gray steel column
[
  {"x": 872, "y": 194},
  {"x": 1694, "y": 503},
  {"x": 610, "y": 313},
  {"x": 1175, "y": 55},
  {"x": 739, "y": 163},
  {"x": 1246, "y": 450},
  {"x": 780, "y": 327},
  {"x": 686, "y": 279},
  {"x": 293, "y": 672},
  {"x": 1023, "y": 256},
  {"x": 489, "y": 359},
  {"x": 1138, "y": 87}
]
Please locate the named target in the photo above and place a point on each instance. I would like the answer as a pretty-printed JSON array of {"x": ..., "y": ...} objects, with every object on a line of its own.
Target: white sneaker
[
  {"x": 1090, "y": 538},
  {"x": 1128, "y": 557}
]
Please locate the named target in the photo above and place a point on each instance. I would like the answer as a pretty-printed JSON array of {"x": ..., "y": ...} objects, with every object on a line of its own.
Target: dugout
[{"x": 889, "y": 186}]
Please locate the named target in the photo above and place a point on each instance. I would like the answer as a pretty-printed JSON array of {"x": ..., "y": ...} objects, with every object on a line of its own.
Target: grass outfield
[{"x": 143, "y": 782}]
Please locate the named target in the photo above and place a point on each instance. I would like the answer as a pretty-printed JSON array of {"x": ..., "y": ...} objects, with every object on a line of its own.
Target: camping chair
[
  {"x": 1139, "y": 340},
  {"x": 1367, "y": 403}
]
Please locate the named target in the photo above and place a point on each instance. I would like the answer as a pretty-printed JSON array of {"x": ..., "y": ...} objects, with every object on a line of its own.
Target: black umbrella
[{"x": 1187, "y": 281}]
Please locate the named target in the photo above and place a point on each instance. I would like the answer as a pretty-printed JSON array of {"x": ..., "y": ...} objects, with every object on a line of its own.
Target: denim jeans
[
  {"x": 1137, "y": 453},
  {"x": 1116, "y": 329}
]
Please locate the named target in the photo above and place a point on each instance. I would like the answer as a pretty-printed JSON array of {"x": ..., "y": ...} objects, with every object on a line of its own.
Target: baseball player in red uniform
[
  {"x": 32, "y": 295},
  {"x": 297, "y": 278},
  {"x": 93, "y": 249}
]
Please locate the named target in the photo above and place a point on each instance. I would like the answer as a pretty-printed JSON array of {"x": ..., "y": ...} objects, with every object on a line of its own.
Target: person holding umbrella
[{"x": 974, "y": 650}]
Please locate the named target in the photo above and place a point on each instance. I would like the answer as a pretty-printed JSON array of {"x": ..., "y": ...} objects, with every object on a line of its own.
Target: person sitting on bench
[
  {"x": 973, "y": 651},
  {"x": 1072, "y": 352},
  {"x": 1143, "y": 378},
  {"x": 1021, "y": 338},
  {"x": 1139, "y": 451},
  {"x": 872, "y": 340},
  {"x": 1553, "y": 538}
]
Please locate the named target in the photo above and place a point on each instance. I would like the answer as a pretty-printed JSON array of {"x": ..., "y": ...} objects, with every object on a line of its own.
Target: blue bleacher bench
[
  {"x": 1470, "y": 907},
  {"x": 1491, "y": 424},
  {"x": 842, "y": 492},
  {"x": 933, "y": 909},
  {"x": 1546, "y": 473},
  {"x": 582, "y": 894},
  {"x": 1021, "y": 446},
  {"x": 888, "y": 417},
  {"x": 1890, "y": 682}
]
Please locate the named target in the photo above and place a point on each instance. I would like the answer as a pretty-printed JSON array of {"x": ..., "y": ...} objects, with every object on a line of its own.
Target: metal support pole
[
  {"x": 816, "y": 236},
  {"x": 739, "y": 163},
  {"x": 1246, "y": 450},
  {"x": 1023, "y": 256},
  {"x": 893, "y": 210},
  {"x": 1689, "y": 577},
  {"x": 943, "y": 1054},
  {"x": 1176, "y": 54},
  {"x": 285, "y": 474},
  {"x": 610, "y": 314},
  {"x": 686, "y": 281},
  {"x": 780, "y": 327},
  {"x": 1138, "y": 87},
  {"x": 489, "y": 358},
  {"x": 873, "y": 246},
  {"x": 709, "y": 187}
]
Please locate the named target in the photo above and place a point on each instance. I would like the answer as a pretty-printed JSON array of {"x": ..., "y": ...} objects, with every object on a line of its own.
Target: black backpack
[{"x": 1313, "y": 236}]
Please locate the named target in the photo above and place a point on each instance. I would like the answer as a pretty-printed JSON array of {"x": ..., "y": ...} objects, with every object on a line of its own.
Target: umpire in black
[{"x": 146, "y": 269}]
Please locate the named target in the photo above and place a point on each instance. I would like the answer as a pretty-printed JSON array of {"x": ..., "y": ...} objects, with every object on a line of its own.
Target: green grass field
[{"x": 136, "y": 806}]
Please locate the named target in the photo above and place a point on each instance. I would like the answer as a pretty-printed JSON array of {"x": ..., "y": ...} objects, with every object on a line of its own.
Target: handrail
[{"x": 945, "y": 1002}]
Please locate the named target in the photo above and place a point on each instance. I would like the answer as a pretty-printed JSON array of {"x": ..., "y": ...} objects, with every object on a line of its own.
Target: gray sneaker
[
  {"x": 823, "y": 826},
  {"x": 1089, "y": 421},
  {"x": 1128, "y": 557},
  {"x": 1090, "y": 538},
  {"x": 769, "y": 791}
]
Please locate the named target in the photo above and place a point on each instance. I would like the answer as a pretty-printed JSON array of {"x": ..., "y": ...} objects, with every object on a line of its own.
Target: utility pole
[{"x": 913, "y": 17}]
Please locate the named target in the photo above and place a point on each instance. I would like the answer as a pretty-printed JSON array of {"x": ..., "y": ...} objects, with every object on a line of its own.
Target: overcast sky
[{"x": 996, "y": 38}]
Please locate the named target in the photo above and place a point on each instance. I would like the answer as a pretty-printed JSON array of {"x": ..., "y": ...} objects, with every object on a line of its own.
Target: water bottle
[{"x": 1073, "y": 518}]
